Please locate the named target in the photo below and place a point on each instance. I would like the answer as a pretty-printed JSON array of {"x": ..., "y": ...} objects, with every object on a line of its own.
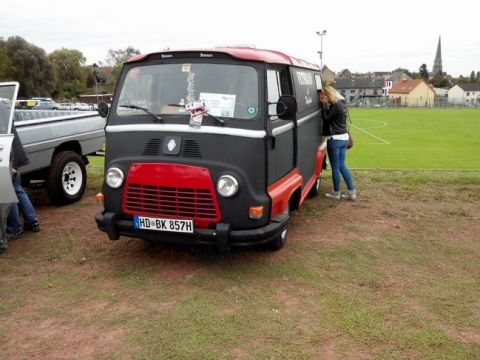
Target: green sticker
[{"x": 251, "y": 110}]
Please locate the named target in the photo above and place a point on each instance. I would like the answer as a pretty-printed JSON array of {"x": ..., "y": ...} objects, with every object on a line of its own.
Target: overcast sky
[{"x": 368, "y": 35}]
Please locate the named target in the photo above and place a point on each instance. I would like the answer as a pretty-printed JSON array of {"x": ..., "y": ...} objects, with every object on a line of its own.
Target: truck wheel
[
  {"x": 67, "y": 177},
  {"x": 316, "y": 187}
]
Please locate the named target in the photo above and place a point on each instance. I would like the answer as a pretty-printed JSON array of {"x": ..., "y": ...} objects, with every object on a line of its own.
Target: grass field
[
  {"x": 432, "y": 139},
  {"x": 419, "y": 139}
]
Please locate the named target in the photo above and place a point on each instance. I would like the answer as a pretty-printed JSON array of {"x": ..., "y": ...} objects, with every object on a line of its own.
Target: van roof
[{"x": 244, "y": 53}]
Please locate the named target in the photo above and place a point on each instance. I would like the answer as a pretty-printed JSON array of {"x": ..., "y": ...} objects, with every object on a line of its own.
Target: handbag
[{"x": 350, "y": 138}]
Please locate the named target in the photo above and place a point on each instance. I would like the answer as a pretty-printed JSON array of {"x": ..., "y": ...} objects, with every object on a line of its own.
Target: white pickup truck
[{"x": 57, "y": 144}]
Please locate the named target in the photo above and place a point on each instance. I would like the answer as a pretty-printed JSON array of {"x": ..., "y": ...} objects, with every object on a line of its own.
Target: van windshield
[{"x": 229, "y": 91}]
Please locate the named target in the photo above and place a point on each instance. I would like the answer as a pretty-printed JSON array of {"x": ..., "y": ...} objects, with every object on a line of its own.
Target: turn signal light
[
  {"x": 99, "y": 197},
  {"x": 255, "y": 212}
]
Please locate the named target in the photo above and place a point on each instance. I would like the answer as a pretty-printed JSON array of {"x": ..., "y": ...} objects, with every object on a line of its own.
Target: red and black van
[{"x": 211, "y": 146}]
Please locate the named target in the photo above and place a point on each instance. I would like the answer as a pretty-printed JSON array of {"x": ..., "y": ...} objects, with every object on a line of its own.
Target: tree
[
  {"x": 30, "y": 67},
  {"x": 461, "y": 80},
  {"x": 440, "y": 81},
  {"x": 423, "y": 72},
  {"x": 478, "y": 76},
  {"x": 115, "y": 59},
  {"x": 71, "y": 76},
  {"x": 5, "y": 63},
  {"x": 472, "y": 76}
]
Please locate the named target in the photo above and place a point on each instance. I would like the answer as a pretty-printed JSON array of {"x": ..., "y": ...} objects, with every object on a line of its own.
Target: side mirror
[
  {"x": 286, "y": 107},
  {"x": 103, "y": 109}
]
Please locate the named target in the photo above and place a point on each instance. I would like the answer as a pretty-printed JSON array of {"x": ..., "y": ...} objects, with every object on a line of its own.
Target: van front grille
[{"x": 161, "y": 201}]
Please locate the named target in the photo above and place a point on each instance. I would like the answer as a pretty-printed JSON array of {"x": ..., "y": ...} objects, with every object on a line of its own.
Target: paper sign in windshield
[{"x": 219, "y": 104}]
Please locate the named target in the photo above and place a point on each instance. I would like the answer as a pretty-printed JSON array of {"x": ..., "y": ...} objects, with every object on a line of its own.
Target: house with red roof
[{"x": 412, "y": 93}]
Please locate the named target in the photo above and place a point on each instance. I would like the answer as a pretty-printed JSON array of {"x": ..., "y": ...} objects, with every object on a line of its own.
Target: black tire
[
  {"x": 316, "y": 187},
  {"x": 67, "y": 178},
  {"x": 281, "y": 239}
]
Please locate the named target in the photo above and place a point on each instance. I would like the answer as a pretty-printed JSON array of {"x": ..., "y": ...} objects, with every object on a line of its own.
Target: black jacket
[
  {"x": 335, "y": 119},
  {"x": 18, "y": 152}
]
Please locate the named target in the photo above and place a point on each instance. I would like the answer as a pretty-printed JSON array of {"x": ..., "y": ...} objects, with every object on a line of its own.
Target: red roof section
[
  {"x": 244, "y": 53},
  {"x": 405, "y": 86}
]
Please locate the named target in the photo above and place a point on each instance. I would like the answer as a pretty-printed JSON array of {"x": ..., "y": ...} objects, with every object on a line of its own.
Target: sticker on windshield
[
  {"x": 196, "y": 109},
  {"x": 186, "y": 67},
  {"x": 251, "y": 110},
  {"x": 219, "y": 104}
]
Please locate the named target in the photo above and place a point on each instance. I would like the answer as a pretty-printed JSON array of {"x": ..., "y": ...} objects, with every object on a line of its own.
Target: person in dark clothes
[{"x": 24, "y": 205}]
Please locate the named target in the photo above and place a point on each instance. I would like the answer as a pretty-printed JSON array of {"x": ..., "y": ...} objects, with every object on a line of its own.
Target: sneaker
[
  {"x": 33, "y": 227},
  {"x": 333, "y": 195},
  {"x": 16, "y": 235},
  {"x": 3, "y": 247},
  {"x": 350, "y": 195}
]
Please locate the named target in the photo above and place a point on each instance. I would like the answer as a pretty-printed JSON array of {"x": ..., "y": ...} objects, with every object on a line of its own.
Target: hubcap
[
  {"x": 283, "y": 235},
  {"x": 72, "y": 178}
]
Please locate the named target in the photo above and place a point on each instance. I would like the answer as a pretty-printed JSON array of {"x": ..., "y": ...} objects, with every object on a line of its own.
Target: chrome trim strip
[
  {"x": 308, "y": 117},
  {"x": 284, "y": 128},
  {"x": 281, "y": 129},
  {"x": 69, "y": 117},
  {"x": 256, "y": 134}
]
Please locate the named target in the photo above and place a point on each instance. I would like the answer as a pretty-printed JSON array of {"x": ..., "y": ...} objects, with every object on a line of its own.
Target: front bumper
[{"x": 222, "y": 236}]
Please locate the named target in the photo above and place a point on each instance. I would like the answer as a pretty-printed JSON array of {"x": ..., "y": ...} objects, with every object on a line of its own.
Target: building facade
[
  {"x": 412, "y": 93},
  {"x": 392, "y": 80},
  {"x": 464, "y": 94},
  {"x": 354, "y": 88}
]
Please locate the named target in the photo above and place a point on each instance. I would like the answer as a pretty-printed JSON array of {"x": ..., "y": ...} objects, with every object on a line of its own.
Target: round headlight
[
  {"x": 227, "y": 185},
  {"x": 114, "y": 177}
]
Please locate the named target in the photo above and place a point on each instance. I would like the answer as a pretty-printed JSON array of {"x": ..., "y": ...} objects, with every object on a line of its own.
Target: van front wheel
[
  {"x": 67, "y": 177},
  {"x": 280, "y": 240}
]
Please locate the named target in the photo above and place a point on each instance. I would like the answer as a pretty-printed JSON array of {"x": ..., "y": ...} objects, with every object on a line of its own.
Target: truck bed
[{"x": 43, "y": 132}]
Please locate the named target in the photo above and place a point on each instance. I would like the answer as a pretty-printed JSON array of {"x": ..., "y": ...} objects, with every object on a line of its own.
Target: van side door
[
  {"x": 308, "y": 121},
  {"x": 281, "y": 144},
  {"x": 8, "y": 95}
]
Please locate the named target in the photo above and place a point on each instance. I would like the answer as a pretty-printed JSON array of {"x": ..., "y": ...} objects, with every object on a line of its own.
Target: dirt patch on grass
[{"x": 70, "y": 293}]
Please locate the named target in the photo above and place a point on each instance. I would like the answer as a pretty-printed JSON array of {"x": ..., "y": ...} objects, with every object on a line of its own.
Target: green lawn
[{"x": 431, "y": 139}]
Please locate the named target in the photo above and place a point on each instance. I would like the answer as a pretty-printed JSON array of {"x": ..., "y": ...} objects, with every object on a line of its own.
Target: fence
[{"x": 383, "y": 102}]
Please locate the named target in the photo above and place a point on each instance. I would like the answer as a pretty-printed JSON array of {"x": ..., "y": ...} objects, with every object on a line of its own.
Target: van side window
[
  {"x": 277, "y": 85},
  {"x": 305, "y": 89},
  {"x": 273, "y": 86}
]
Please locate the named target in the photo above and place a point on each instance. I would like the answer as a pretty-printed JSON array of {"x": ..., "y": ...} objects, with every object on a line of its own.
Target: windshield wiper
[
  {"x": 222, "y": 122},
  {"x": 147, "y": 111}
]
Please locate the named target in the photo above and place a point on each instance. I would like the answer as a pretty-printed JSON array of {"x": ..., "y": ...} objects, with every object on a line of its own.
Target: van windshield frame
[{"x": 229, "y": 91}]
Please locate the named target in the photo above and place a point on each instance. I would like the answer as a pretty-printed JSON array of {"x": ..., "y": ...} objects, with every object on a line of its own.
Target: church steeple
[{"x": 437, "y": 63}]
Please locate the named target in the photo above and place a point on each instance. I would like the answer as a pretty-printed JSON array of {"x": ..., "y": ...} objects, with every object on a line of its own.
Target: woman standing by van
[{"x": 334, "y": 112}]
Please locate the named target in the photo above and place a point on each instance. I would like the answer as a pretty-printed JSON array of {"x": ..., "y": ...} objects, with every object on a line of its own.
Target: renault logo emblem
[{"x": 171, "y": 145}]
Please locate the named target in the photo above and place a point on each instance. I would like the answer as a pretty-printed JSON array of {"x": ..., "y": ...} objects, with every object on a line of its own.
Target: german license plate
[{"x": 159, "y": 224}]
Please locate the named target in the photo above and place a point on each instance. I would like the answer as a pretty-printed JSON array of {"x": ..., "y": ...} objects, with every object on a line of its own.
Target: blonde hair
[{"x": 331, "y": 94}]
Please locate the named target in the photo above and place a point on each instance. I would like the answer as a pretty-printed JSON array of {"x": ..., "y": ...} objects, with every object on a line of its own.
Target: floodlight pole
[{"x": 320, "y": 53}]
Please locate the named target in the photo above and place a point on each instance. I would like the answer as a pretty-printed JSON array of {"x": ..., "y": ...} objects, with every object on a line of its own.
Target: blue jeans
[
  {"x": 24, "y": 205},
  {"x": 336, "y": 153}
]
